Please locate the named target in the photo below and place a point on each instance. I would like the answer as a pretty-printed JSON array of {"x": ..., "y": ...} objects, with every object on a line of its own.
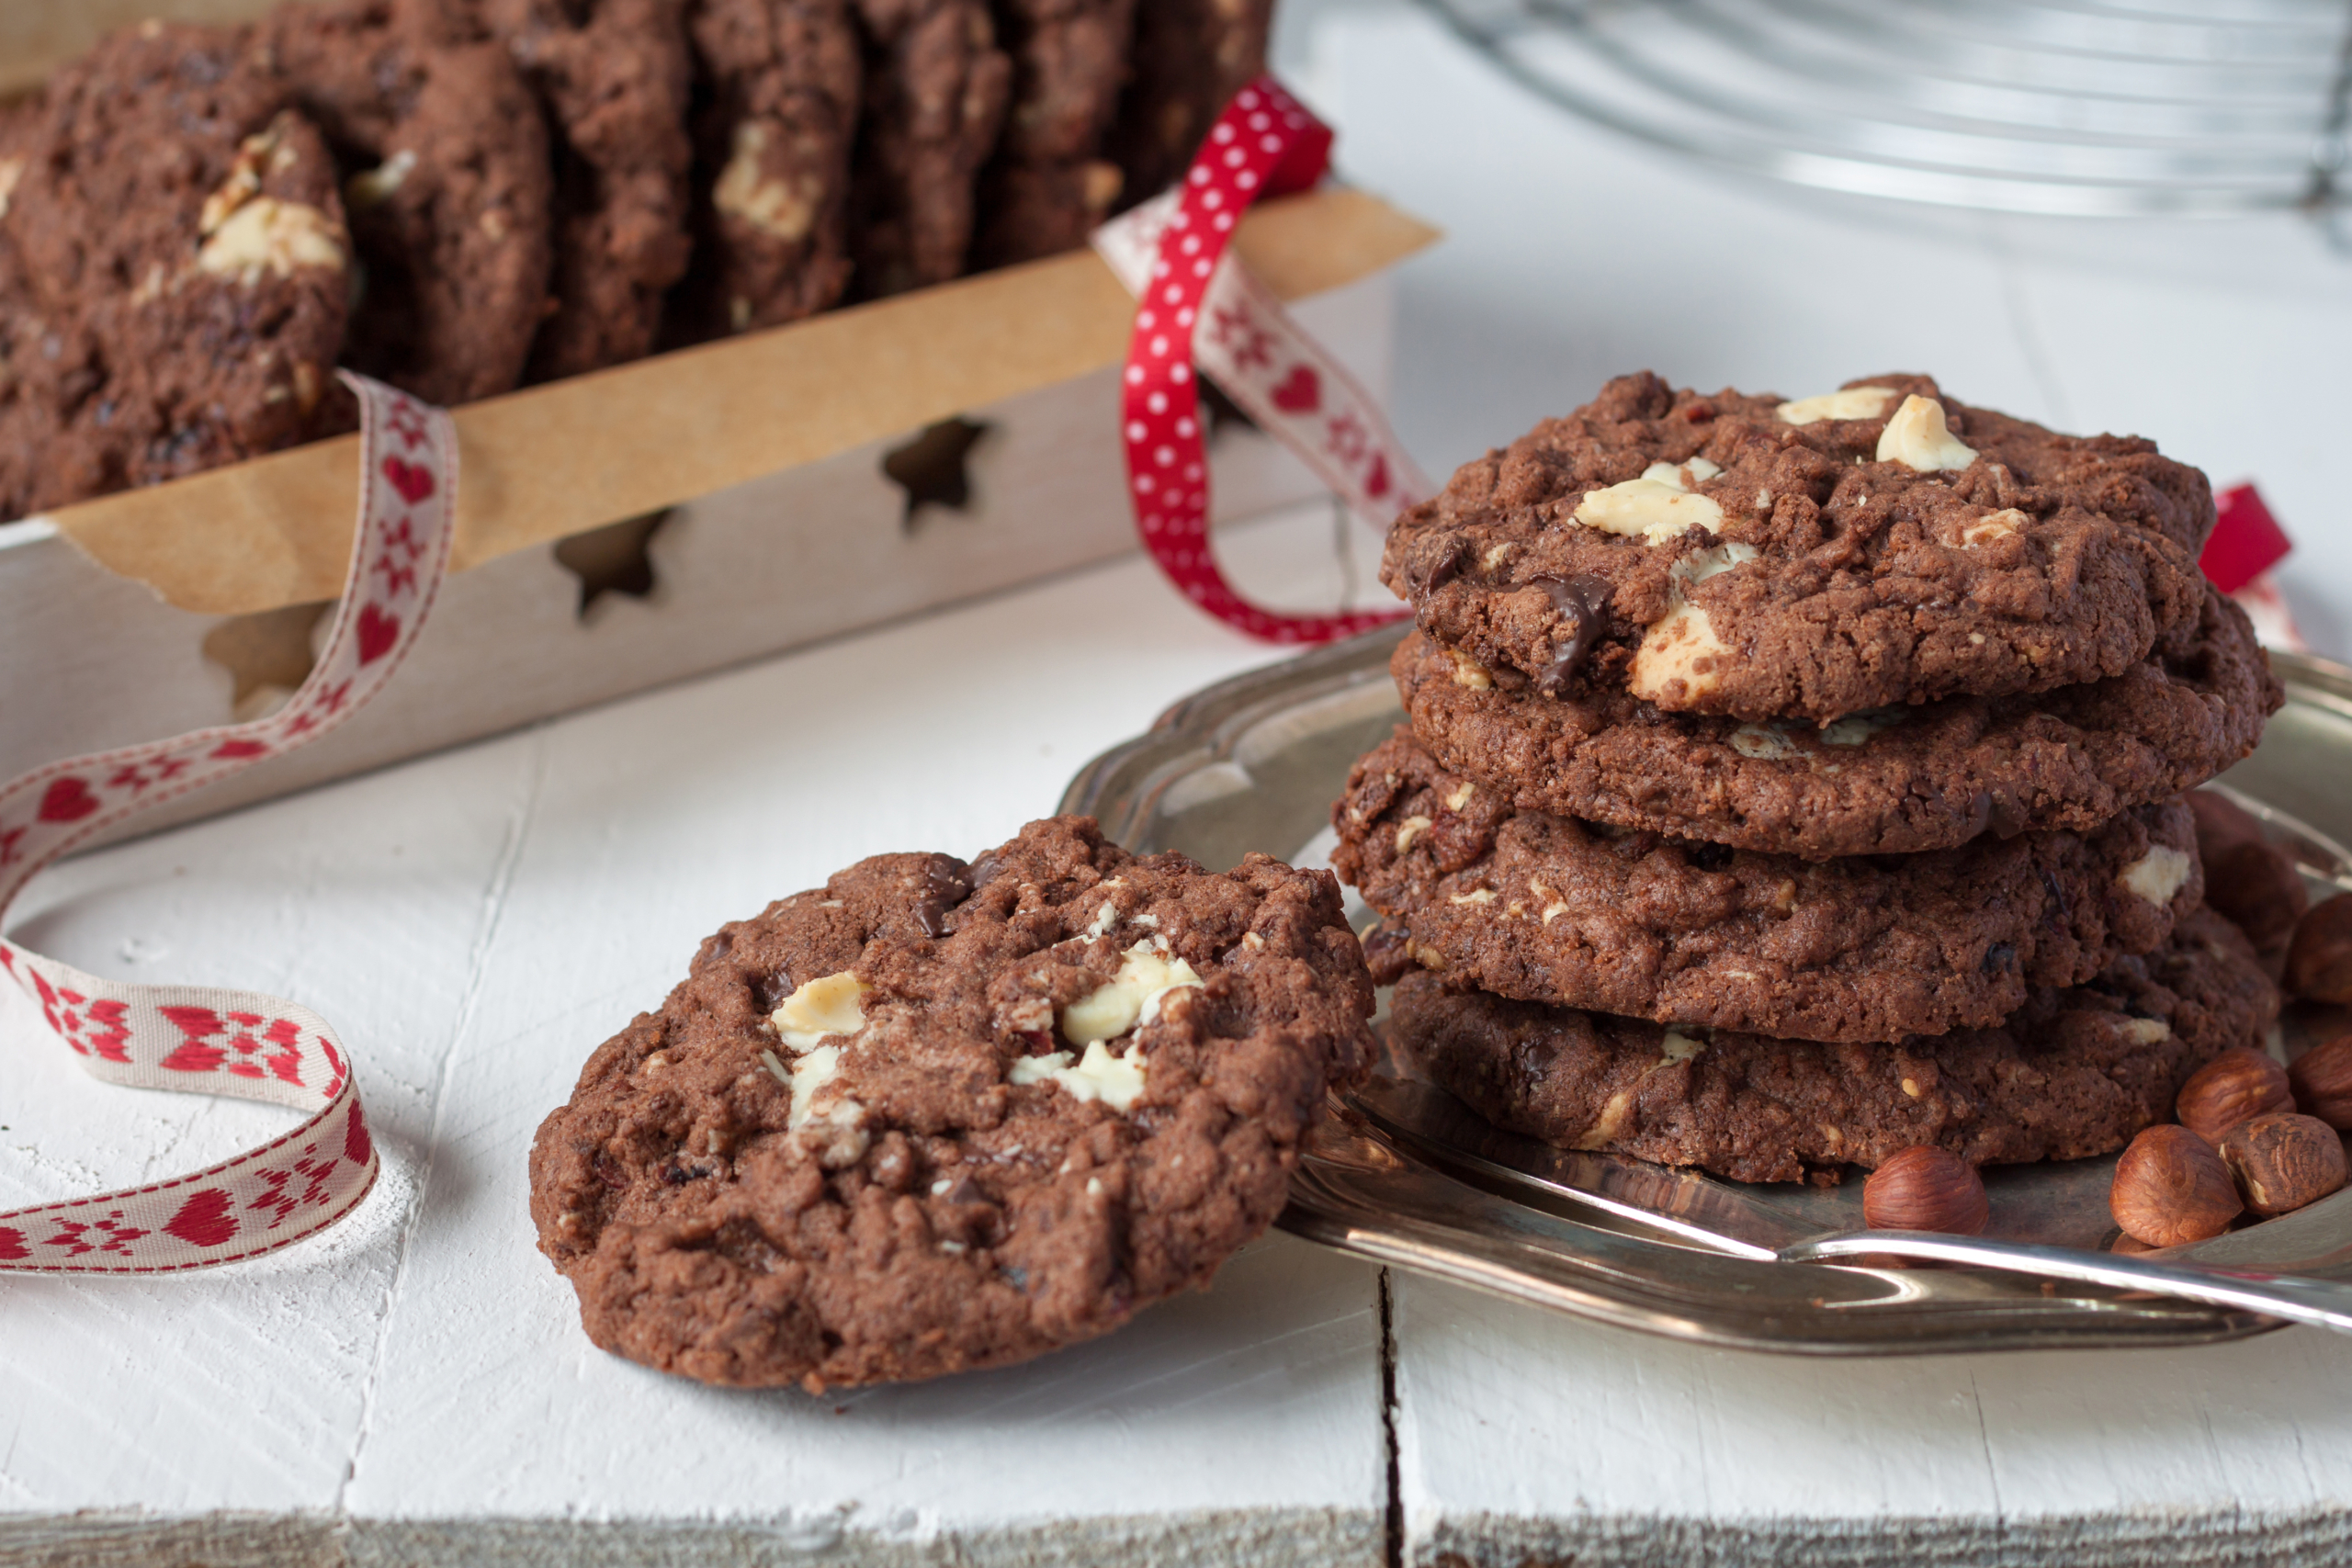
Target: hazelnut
[
  {"x": 2172, "y": 1188},
  {"x": 2319, "y": 961},
  {"x": 1925, "y": 1189},
  {"x": 2258, "y": 888},
  {"x": 2236, "y": 1085},
  {"x": 2323, "y": 1080},
  {"x": 2283, "y": 1161}
]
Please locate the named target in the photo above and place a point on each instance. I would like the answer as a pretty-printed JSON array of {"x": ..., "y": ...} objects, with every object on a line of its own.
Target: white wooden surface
[{"x": 416, "y": 1389}]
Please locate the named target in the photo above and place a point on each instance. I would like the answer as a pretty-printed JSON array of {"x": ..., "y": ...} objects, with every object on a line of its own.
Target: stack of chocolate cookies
[{"x": 1790, "y": 783}]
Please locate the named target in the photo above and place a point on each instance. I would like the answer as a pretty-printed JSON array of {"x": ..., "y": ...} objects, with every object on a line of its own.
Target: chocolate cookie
[
  {"x": 2075, "y": 1072},
  {"x": 778, "y": 90},
  {"x": 938, "y": 1116},
  {"x": 1726, "y": 554},
  {"x": 1189, "y": 58},
  {"x": 1868, "y": 948},
  {"x": 173, "y": 268},
  {"x": 935, "y": 91},
  {"x": 1048, "y": 187},
  {"x": 613, "y": 76},
  {"x": 1889, "y": 781},
  {"x": 448, "y": 186}
]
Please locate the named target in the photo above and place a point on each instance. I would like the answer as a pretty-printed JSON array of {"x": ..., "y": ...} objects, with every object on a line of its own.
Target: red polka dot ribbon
[
  {"x": 1197, "y": 306},
  {"x": 239, "y": 1043}
]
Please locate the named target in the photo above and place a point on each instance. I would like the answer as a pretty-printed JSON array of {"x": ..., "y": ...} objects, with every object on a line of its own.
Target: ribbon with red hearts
[
  {"x": 241, "y": 1043},
  {"x": 1196, "y": 305}
]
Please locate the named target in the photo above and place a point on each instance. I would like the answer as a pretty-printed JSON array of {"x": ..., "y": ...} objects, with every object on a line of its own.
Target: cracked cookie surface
[{"x": 936, "y": 1116}]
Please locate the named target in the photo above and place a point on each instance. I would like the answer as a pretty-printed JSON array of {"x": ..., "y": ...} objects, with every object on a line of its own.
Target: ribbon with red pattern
[
  {"x": 241, "y": 1043},
  {"x": 1198, "y": 306}
]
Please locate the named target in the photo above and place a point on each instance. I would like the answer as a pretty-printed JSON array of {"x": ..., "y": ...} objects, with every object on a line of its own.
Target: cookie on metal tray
[
  {"x": 1887, "y": 781},
  {"x": 936, "y": 1116},
  {"x": 447, "y": 186},
  {"x": 1049, "y": 184},
  {"x": 778, "y": 84},
  {"x": 614, "y": 76},
  {"x": 2075, "y": 1072},
  {"x": 173, "y": 268},
  {"x": 936, "y": 85},
  {"x": 1726, "y": 554},
  {"x": 1866, "y": 948}
]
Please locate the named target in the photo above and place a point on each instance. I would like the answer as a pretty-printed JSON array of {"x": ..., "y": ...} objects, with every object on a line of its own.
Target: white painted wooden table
[{"x": 414, "y": 1388}]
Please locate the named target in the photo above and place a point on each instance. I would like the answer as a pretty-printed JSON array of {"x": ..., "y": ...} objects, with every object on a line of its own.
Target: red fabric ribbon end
[{"x": 2246, "y": 540}]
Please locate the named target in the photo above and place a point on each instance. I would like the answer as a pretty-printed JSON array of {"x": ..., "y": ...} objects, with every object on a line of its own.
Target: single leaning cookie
[
  {"x": 448, "y": 186},
  {"x": 935, "y": 90},
  {"x": 1048, "y": 187},
  {"x": 1887, "y": 781},
  {"x": 173, "y": 268},
  {"x": 1726, "y": 554},
  {"x": 938, "y": 1116},
  {"x": 778, "y": 84},
  {"x": 1549, "y": 909},
  {"x": 614, "y": 76},
  {"x": 2076, "y": 1072}
]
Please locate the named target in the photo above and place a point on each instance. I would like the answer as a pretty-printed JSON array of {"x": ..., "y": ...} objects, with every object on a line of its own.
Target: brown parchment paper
[{"x": 553, "y": 460}]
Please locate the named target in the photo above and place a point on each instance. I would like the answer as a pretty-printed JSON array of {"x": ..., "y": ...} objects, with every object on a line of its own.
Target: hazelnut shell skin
[
  {"x": 2237, "y": 1086},
  {"x": 2171, "y": 1188},
  {"x": 2321, "y": 1077},
  {"x": 2284, "y": 1161},
  {"x": 2319, "y": 961},
  {"x": 1925, "y": 1189},
  {"x": 2246, "y": 878}
]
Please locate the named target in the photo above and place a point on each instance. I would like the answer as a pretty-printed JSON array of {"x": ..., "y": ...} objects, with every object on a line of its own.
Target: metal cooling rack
[{"x": 2076, "y": 107}]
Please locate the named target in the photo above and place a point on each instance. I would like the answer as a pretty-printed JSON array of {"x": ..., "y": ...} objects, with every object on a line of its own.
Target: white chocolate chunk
[
  {"x": 2156, "y": 875},
  {"x": 1672, "y": 650},
  {"x": 1116, "y": 1081},
  {"x": 1147, "y": 976},
  {"x": 1653, "y": 508},
  {"x": 831, "y": 1005},
  {"x": 1992, "y": 526},
  {"x": 1409, "y": 830},
  {"x": 2146, "y": 1031},
  {"x": 370, "y": 186},
  {"x": 785, "y": 208},
  {"x": 1700, "y": 565},
  {"x": 1613, "y": 1118},
  {"x": 1763, "y": 743},
  {"x": 1917, "y": 438},
  {"x": 1677, "y": 1047},
  {"x": 269, "y": 235},
  {"x": 1856, "y": 727},
  {"x": 1854, "y": 403}
]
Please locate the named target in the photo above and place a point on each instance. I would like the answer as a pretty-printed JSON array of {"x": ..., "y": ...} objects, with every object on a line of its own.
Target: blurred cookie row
[{"x": 459, "y": 197}]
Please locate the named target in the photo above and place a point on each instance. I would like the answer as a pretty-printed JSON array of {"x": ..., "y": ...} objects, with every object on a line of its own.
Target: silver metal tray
[{"x": 1406, "y": 1176}]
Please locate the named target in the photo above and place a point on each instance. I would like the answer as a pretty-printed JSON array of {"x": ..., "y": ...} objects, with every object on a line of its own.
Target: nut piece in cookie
[
  {"x": 936, "y": 85},
  {"x": 174, "y": 271},
  {"x": 448, "y": 186},
  {"x": 1881, "y": 545},
  {"x": 614, "y": 76},
  {"x": 936, "y": 1116},
  {"x": 778, "y": 86}
]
